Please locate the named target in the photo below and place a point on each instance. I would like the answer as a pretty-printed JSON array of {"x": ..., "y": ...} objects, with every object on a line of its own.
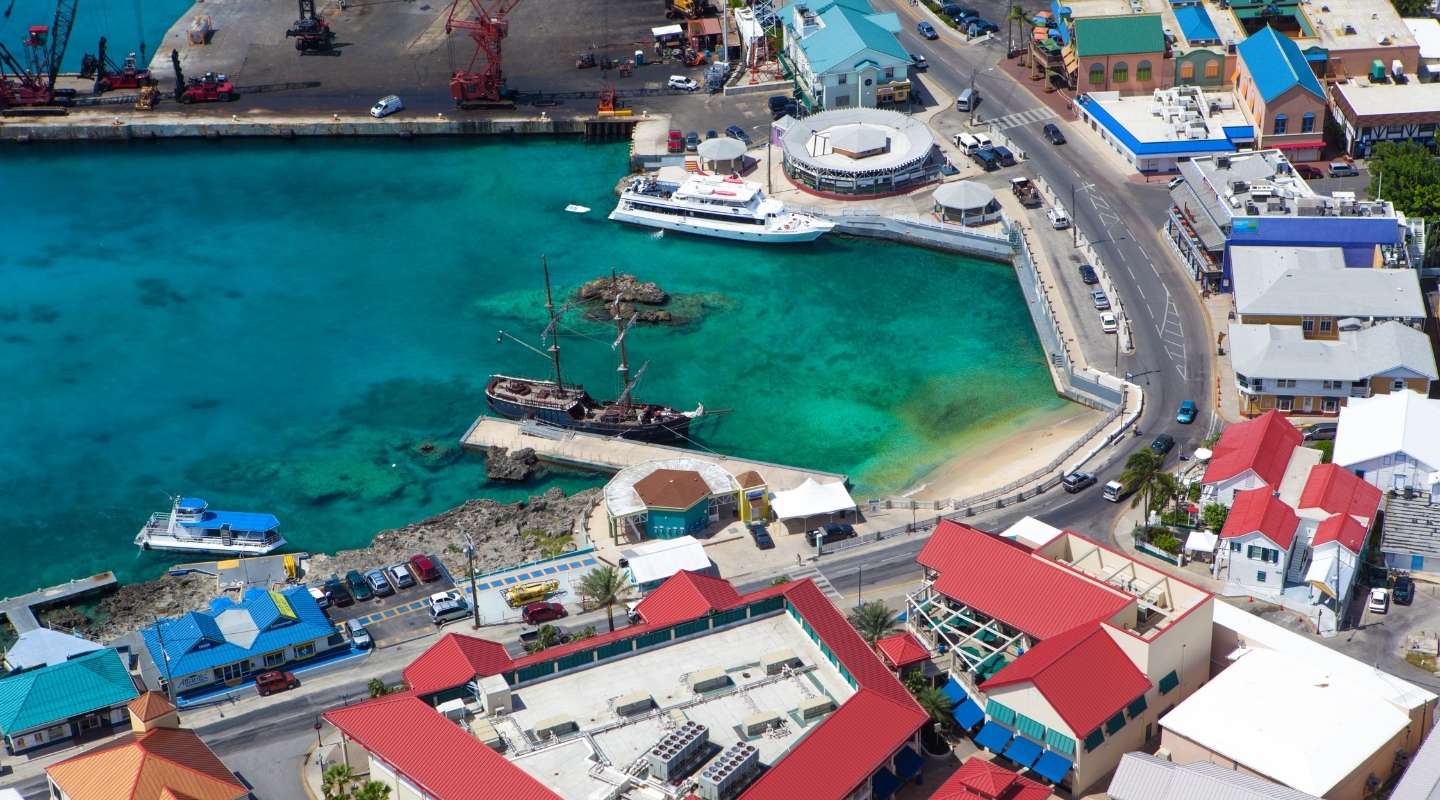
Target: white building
[
  {"x": 1259, "y": 540},
  {"x": 843, "y": 55},
  {"x": 1392, "y": 441}
]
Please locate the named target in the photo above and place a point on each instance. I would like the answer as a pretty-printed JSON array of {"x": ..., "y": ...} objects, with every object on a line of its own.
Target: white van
[
  {"x": 1058, "y": 220},
  {"x": 386, "y": 106},
  {"x": 984, "y": 140},
  {"x": 449, "y": 611},
  {"x": 968, "y": 99},
  {"x": 1113, "y": 491},
  {"x": 968, "y": 144}
]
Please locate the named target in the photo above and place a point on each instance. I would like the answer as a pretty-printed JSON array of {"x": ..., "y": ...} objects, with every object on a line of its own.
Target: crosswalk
[
  {"x": 1027, "y": 117},
  {"x": 821, "y": 581}
]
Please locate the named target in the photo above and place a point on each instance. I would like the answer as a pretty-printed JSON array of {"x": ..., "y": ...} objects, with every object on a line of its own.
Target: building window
[
  {"x": 1281, "y": 123},
  {"x": 1259, "y": 576},
  {"x": 844, "y": 79},
  {"x": 1142, "y": 71},
  {"x": 1326, "y": 325},
  {"x": 1234, "y": 547},
  {"x": 1187, "y": 71},
  {"x": 1307, "y": 325},
  {"x": 305, "y": 650},
  {"x": 1307, "y": 122},
  {"x": 1120, "y": 73},
  {"x": 275, "y": 659},
  {"x": 1397, "y": 385},
  {"x": 1285, "y": 403},
  {"x": 1093, "y": 740},
  {"x": 1332, "y": 384},
  {"x": 842, "y": 100},
  {"x": 1285, "y": 383},
  {"x": 1169, "y": 682},
  {"x": 1329, "y": 405},
  {"x": 889, "y": 73},
  {"x": 1097, "y": 74},
  {"x": 1115, "y": 723},
  {"x": 1212, "y": 70}
]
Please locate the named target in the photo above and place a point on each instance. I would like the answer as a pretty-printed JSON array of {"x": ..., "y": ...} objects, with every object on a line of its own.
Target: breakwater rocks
[
  {"x": 502, "y": 465},
  {"x": 642, "y": 298},
  {"x": 505, "y": 534}
]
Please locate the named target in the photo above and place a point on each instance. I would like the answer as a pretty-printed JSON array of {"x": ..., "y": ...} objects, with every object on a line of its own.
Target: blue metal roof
[
  {"x": 1277, "y": 65},
  {"x": 993, "y": 737},
  {"x": 1022, "y": 751},
  {"x": 1239, "y": 133},
  {"x": 236, "y": 520},
  {"x": 848, "y": 28},
  {"x": 1139, "y": 148},
  {"x": 1195, "y": 24},
  {"x": 195, "y": 643},
  {"x": 48, "y": 695},
  {"x": 1053, "y": 767}
]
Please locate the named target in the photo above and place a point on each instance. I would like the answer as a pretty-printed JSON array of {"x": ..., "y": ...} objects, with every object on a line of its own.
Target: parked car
[
  {"x": 1007, "y": 158},
  {"x": 957, "y": 11},
  {"x": 632, "y": 612},
  {"x": 1077, "y": 481},
  {"x": 1342, "y": 169},
  {"x": 675, "y": 143},
  {"x": 1321, "y": 431},
  {"x": 979, "y": 27},
  {"x": 1088, "y": 276},
  {"x": 386, "y": 106},
  {"x": 1057, "y": 217},
  {"x": 777, "y": 103},
  {"x": 424, "y": 568},
  {"x": 268, "y": 683},
  {"x": 562, "y": 636},
  {"x": 449, "y": 611},
  {"x": 338, "y": 593},
  {"x": 358, "y": 585},
  {"x": 711, "y": 134},
  {"x": 1404, "y": 590},
  {"x": 1379, "y": 600},
  {"x": 447, "y": 596},
  {"x": 1308, "y": 172},
  {"x": 986, "y": 158},
  {"x": 833, "y": 531},
  {"x": 683, "y": 83},
  {"x": 737, "y": 132},
  {"x": 1052, "y": 132},
  {"x": 321, "y": 599},
  {"x": 692, "y": 141},
  {"x": 359, "y": 637},
  {"x": 918, "y": 62},
  {"x": 1099, "y": 300},
  {"x": 927, "y": 30},
  {"x": 1108, "y": 322},
  {"x": 1186, "y": 413},
  {"x": 536, "y": 613},
  {"x": 381, "y": 584},
  {"x": 400, "y": 576},
  {"x": 1163, "y": 444},
  {"x": 761, "y": 536}
]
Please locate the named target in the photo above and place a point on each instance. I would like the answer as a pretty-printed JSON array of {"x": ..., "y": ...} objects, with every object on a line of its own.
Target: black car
[
  {"x": 358, "y": 585},
  {"x": 692, "y": 142},
  {"x": 1163, "y": 444},
  {"x": 1321, "y": 431},
  {"x": 980, "y": 27},
  {"x": 761, "y": 537},
  {"x": 987, "y": 158},
  {"x": 1088, "y": 276},
  {"x": 1007, "y": 158},
  {"x": 957, "y": 11},
  {"x": 777, "y": 102},
  {"x": 711, "y": 134},
  {"x": 1077, "y": 481},
  {"x": 737, "y": 132},
  {"x": 1404, "y": 591},
  {"x": 337, "y": 592},
  {"x": 833, "y": 532},
  {"x": 1052, "y": 132}
]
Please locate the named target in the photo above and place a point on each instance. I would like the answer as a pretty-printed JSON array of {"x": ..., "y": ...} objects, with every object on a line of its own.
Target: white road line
[
  {"x": 1141, "y": 291},
  {"x": 1120, "y": 252},
  {"x": 1132, "y": 274},
  {"x": 1142, "y": 251}
]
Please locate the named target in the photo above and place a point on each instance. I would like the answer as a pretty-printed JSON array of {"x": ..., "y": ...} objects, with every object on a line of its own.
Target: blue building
[
  {"x": 68, "y": 701},
  {"x": 233, "y": 641}
]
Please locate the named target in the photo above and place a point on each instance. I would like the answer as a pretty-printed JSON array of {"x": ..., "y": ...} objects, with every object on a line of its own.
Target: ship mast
[
  {"x": 620, "y": 330},
  {"x": 552, "y": 330}
]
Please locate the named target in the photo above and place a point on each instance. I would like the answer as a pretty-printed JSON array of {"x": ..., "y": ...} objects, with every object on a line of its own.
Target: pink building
[{"x": 1280, "y": 95}]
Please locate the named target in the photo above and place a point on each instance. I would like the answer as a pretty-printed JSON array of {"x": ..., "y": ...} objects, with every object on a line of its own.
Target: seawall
[{"x": 100, "y": 126}]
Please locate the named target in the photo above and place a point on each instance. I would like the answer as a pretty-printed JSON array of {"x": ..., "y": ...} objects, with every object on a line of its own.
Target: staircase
[{"x": 692, "y": 164}]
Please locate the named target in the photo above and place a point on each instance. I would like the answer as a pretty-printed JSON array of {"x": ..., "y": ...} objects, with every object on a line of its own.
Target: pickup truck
[{"x": 1026, "y": 192}]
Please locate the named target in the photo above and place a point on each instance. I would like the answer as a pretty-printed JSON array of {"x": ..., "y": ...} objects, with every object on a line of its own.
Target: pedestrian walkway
[
  {"x": 821, "y": 581},
  {"x": 1029, "y": 116}
]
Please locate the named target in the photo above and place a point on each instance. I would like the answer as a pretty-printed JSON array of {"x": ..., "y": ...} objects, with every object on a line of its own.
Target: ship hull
[
  {"x": 720, "y": 230},
  {"x": 670, "y": 431}
]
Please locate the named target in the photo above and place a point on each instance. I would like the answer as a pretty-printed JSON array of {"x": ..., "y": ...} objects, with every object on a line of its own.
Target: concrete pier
[
  {"x": 21, "y": 610},
  {"x": 99, "y": 125},
  {"x": 605, "y": 454}
]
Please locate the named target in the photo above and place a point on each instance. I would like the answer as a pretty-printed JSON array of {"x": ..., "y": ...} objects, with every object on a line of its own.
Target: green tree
[
  {"x": 1326, "y": 448},
  {"x": 372, "y": 790},
  {"x": 1408, "y": 176},
  {"x": 873, "y": 621},
  {"x": 1412, "y": 8},
  {"x": 607, "y": 587},
  {"x": 1214, "y": 516},
  {"x": 546, "y": 636},
  {"x": 377, "y": 688},
  {"x": 1015, "y": 15},
  {"x": 935, "y": 703},
  {"x": 335, "y": 782},
  {"x": 1139, "y": 476}
]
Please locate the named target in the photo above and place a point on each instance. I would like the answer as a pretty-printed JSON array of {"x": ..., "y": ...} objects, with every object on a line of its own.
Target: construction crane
[
  {"x": 34, "y": 88},
  {"x": 485, "y": 88},
  {"x": 312, "y": 34}
]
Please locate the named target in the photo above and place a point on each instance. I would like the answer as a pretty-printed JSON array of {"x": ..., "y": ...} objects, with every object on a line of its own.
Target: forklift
[
  {"x": 311, "y": 34},
  {"x": 108, "y": 76},
  {"x": 210, "y": 88}
]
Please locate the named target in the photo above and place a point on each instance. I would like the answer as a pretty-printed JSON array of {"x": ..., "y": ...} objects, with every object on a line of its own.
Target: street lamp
[
  {"x": 470, "y": 559},
  {"x": 318, "y": 743}
]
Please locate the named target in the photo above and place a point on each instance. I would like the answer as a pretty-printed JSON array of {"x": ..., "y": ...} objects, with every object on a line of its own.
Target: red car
[
  {"x": 676, "y": 143},
  {"x": 268, "y": 683},
  {"x": 424, "y": 568},
  {"x": 1308, "y": 172},
  {"x": 536, "y": 613}
]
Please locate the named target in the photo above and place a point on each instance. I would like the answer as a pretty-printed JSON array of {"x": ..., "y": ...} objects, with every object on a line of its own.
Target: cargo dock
[{"x": 20, "y": 611}]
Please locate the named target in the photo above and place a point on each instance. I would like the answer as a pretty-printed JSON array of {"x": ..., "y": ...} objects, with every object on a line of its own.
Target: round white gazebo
[
  {"x": 966, "y": 202},
  {"x": 721, "y": 155}
]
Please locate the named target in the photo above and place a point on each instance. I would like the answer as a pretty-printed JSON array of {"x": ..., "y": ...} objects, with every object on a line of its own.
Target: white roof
[
  {"x": 667, "y": 30},
  {"x": 1201, "y": 541},
  {"x": 1032, "y": 532},
  {"x": 1282, "y": 351},
  {"x": 1324, "y": 566},
  {"x": 1426, "y": 31},
  {"x": 658, "y": 560},
  {"x": 735, "y": 189},
  {"x": 42, "y": 646},
  {"x": 1314, "y": 281},
  {"x": 1287, "y": 719},
  {"x": 964, "y": 195},
  {"x": 1142, "y": 776},
  {"x": 811, "y": 498},
  {"x": 621, "y": 499},
  {"x": 1399, "y": 422},
  {"x": 1369, "y": 99},
  {"x": 721, "y": 148}
]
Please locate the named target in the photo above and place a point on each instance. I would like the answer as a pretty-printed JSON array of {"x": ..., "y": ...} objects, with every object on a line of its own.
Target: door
[{"x": 1417, "y": 563}]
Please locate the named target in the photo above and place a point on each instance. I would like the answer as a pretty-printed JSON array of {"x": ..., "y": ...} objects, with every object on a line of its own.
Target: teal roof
[
  {"x": 1277, "y": 65},
  {"x": 55, "y": 693},
  {"x": 847, "y": 29},
  {"x": 1117, "y": 36}
]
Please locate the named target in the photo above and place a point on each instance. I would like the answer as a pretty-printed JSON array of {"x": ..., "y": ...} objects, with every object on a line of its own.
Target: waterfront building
[
  {"x": 72, "y": 701},
  {"x": 1312, "y": 289},
  {"x": 1063, "y": 656},
  {"x": 42, "y": 646},
  {"x": 842, "y": 54},
  {"x": 858, "y": 153},
  {"x": 234, "y": 641},
  {"x": 1392, "y": 440},
  {"x": 672, "y": 497},
  {"x": 776, "y": 677},
  {"x": 1281, "y": 96},
  {"x": 1155, "y": 133}
]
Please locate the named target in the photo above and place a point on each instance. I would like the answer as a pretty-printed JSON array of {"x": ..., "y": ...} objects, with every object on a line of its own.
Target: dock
[
  {"x": 607, "y": 454},
  {"x": 20, "y": 611}
]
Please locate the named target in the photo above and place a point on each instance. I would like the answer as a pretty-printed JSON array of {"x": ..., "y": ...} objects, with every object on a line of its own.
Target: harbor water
[{"x": 306, "y": 328}]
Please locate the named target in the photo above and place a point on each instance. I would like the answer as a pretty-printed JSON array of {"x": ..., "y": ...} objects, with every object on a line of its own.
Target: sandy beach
[{"x": 994, "y": 457}]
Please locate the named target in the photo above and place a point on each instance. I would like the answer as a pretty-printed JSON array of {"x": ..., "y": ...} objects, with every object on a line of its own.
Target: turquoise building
[
  {"x": 674, "y": 497},
  {"x": 677, "y": 502}
]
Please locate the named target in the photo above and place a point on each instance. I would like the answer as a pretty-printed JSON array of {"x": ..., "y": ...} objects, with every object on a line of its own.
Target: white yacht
[
  {"x": 711, "y": 205},
  {"x": 193, "y": 527}
]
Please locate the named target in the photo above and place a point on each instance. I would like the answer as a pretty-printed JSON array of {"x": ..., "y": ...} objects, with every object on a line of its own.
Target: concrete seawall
[{"x": 125, "y": 126}]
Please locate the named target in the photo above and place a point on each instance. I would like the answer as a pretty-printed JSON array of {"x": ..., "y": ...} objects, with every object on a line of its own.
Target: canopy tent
[
  {"x": 1201, "y": 541},
  {"x": 656, "y": 561},
  {"x": 811, "y": 499}
]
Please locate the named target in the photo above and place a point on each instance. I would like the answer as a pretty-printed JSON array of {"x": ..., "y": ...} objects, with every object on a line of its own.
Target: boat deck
[
  {"x": 606, "y": 454},
  {"x": 20, "y": 611}
]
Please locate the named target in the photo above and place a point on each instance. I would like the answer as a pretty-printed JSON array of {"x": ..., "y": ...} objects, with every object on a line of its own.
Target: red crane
[
  {"x": 44, "y": 48},
  {"x": 485, "y": 88}
]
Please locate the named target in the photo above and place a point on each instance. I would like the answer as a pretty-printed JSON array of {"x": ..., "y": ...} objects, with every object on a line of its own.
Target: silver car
[{"x": 400, "y": 576}]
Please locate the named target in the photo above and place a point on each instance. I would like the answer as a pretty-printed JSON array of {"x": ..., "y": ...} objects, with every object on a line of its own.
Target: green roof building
[
  {"x": 1123, "y": 54},
  {"x": 66, "y": 701}
]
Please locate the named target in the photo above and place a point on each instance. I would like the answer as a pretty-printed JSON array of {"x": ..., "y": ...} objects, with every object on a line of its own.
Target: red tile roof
[
  {"x": 1064, "y": 670},
  {"x": 847, "y": 646},
  {"x": 978, "y": 779},
  {"x": 1006, "y": 581},
  {"x": 454, "y": 661},
  {"x": 432, "y": 752},
  {"x": 685, "y": 596},
  {"x": 1263, "y": 444},
  {"x": 1339, "y": 491},
  {"x": 842, "y": 751},
  {"x": 902, "y": 650},
  {"x": 160, "y": 763},
  {"x": 1260, "y": 510},
  {"x": 1341, "y": 528}
]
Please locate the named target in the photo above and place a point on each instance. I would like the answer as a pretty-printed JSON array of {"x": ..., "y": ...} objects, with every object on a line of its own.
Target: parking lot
[{"x": 401, "y": 616}]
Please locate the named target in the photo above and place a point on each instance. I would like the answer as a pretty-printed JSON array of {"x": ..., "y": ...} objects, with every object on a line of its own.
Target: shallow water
[{"x": 279, "y": 327}]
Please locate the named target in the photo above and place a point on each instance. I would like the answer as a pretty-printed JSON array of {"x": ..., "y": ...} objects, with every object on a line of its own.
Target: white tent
[
  {"x": 810, "y": 499},
  {"x": 655, "y": 561},
  {"x": 1201, "y": 541}
]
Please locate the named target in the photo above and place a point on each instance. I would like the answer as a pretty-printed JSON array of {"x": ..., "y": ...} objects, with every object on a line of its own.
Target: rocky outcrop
[
  {"x": 636, "y": 298},
  {"x": 502, "y": 465}
]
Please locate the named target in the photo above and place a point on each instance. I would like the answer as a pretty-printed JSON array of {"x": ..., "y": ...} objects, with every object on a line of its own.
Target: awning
[
  {"x": 665, "y": 31},
  {"x": 1022, "y": 751},
  {"x": 884, "y": 783},
  {"x": 1297, "y": 145},
  {"x": 993, "y": 737},
  {"x": 810, "y": 499},
  {"x": 968, "y": 714},
  {"x": 908, "y": 763},
  {"x": 1052, "y": 767},
  {"x": 955, "y": 692}
]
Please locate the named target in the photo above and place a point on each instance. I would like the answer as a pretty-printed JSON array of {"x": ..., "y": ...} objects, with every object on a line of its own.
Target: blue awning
[
  {"x": 955, "y": 692},
  {"x": 1052, "y": 767},
  {"x": 968, "y": 714},
  {"x": 993, "y": 737},
  {"x": 908, "y": 763},
  {"x": 1022, "y": 751},
  {"x": 884, "y": 783}
]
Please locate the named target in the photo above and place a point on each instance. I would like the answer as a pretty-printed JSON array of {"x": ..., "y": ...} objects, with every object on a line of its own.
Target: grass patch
[
  {"x": 1422, "y": 661},
  {"x": 549, "y": 544}
]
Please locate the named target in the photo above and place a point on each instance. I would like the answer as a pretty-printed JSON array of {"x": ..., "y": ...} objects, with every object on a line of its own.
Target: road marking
[
  {"x": 820, "y": 580},
  {"x": 1028, "y": 116},
  {"x": 1142, "y": 251},
  {"x": 1138, "y": 289},
  {"x": 1121, "y": 252}
]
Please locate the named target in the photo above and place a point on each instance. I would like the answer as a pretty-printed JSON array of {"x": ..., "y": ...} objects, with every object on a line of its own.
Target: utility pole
[
  {"x": 1074, "y": 231},
  {"x": 470, "y": 559},
  {"x": 165, "y": 655},
  {"x": 860, "y": 586}
]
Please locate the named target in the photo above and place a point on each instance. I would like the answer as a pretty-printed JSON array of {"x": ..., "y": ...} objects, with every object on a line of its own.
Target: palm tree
[
  {"x": 1165, "y": 489},
  {"x": 545, "y": 636},
  {"x": 377, "y": 688},
  {"x": 605, "y": 586},
  {"x": 873, "y": 621},
  {"x": 335, "y": 782},
  {"x": 935, "y": 703},
  {"x": 1016, "y": 14},
  {"x": 372, "y": 790},
  {"x": 1140, "y": 470}
]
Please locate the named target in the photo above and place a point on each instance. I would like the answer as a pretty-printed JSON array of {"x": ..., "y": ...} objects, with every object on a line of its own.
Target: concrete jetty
[
  {"x": 20, "y": 611},
  {"x": 606, "y": 454}
]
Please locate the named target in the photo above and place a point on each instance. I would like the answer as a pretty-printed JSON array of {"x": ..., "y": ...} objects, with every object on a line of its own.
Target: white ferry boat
[
  {"x": 710, "y": 205},
  {"x": 192, "y": 527}
]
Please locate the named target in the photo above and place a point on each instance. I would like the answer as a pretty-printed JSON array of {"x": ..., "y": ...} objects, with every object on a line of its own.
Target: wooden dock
[
  {"x": 606, "y": 454},
  {"x": 20, "y": 611}
]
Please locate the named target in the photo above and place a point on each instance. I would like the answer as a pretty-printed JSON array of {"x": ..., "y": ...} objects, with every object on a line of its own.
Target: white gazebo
[
  {"x": 721, "y": 155},
  {"x": 966, "y": 202}
]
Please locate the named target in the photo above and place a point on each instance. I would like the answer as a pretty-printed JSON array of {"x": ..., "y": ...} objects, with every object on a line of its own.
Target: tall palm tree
[
  {"x": 1016, "y": 14},
  {"x": 935, "y": 703},
  {"x": 335, "y": 782},
  {"x": 605, "y": 586},
  {"x": 372, "y": 790},
  {"x": 1139, "y": 476},
  {"x": 873, "y": 621},
  {"x": 1165, "y": 489}
]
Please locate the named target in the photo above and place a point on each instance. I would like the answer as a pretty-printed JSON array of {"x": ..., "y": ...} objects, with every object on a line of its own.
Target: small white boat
[
  {"x": 192, "y": 527},
  {"x": 577, "y": 209},
  {"x": 711, "y": 205}
]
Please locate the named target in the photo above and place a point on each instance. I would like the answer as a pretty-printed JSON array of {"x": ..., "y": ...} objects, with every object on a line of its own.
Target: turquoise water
[
  {"x": 122, "y": 22},
  {"x": 280, "y": 327}
]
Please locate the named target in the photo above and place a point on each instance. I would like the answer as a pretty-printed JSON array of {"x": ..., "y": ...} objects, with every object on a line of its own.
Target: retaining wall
[{"x": 105, "y": 128}]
